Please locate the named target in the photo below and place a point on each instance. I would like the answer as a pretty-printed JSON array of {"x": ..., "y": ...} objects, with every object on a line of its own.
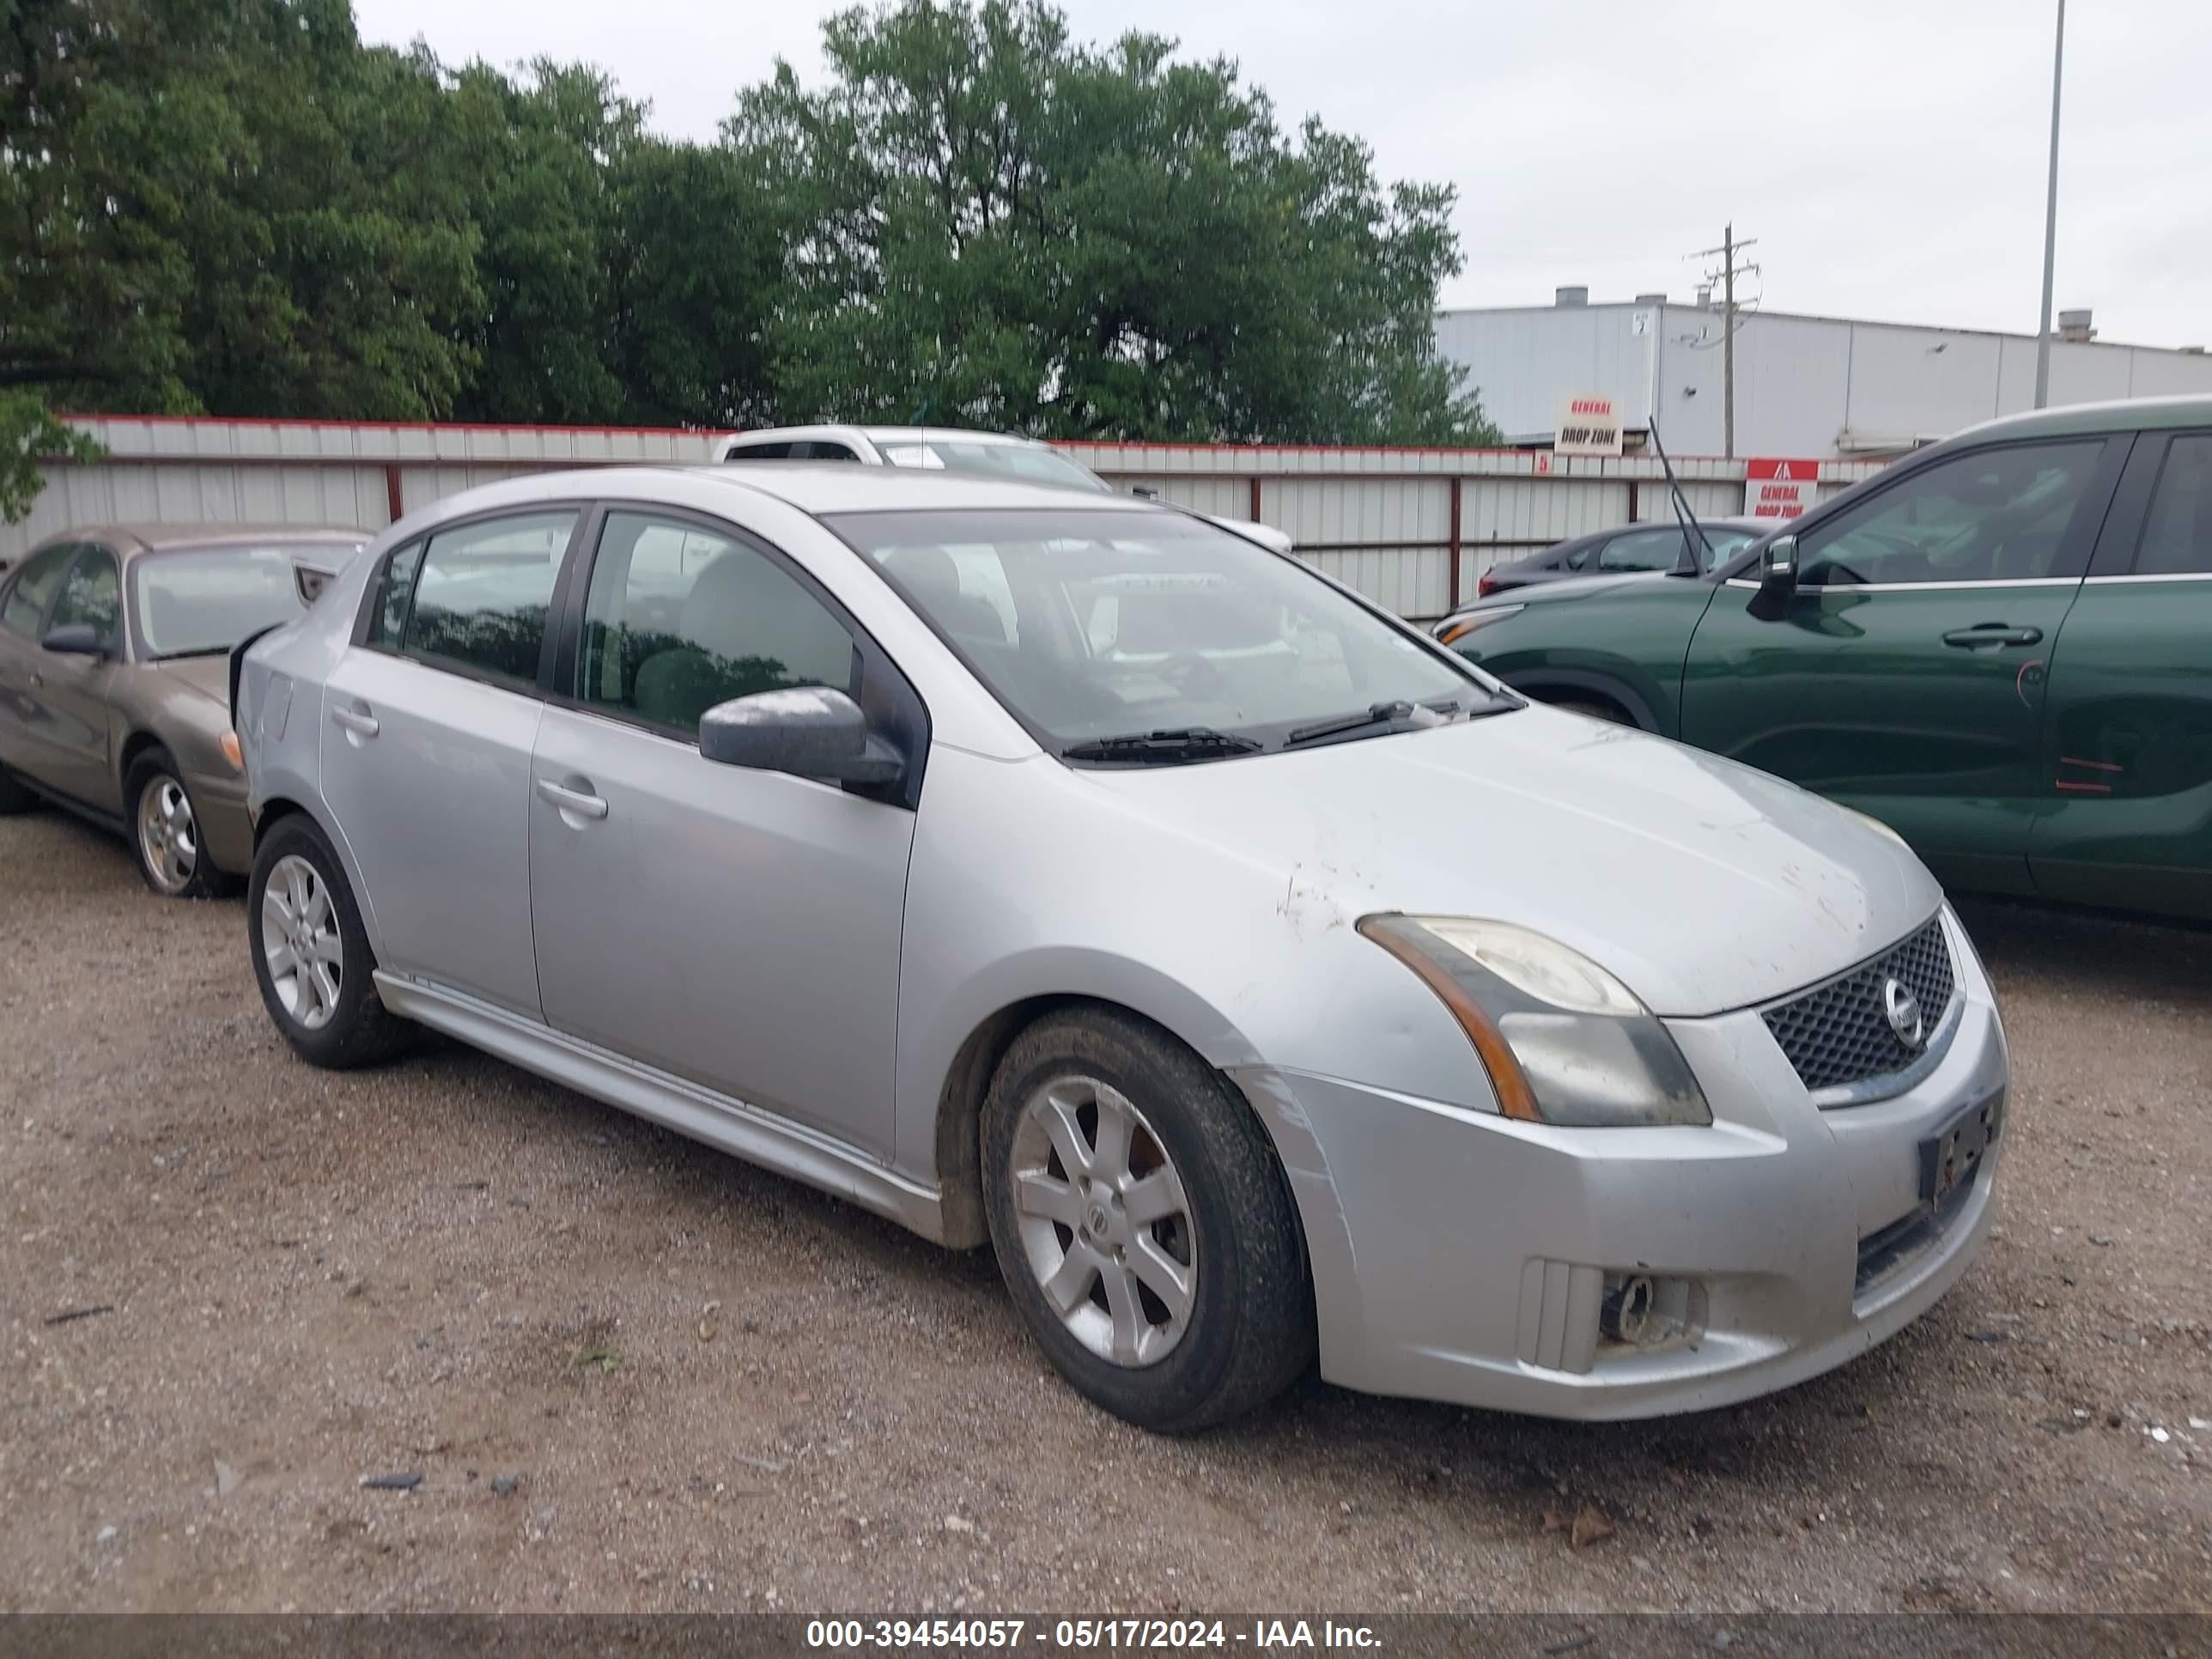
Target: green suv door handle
[{"x": 1990, "y": 636}]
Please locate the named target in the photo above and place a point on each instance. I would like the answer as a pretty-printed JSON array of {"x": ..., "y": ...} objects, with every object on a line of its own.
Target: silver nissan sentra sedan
[{"x": 1073, "y": 876}]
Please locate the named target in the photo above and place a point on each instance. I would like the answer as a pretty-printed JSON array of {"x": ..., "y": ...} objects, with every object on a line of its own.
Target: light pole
[{"x": 2051, "y": 220}]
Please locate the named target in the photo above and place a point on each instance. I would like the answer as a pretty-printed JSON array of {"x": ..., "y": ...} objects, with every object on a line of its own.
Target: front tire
[
  {"x": 1143, "y": 1225},
  {"x": 164, "y": 831},
  {"x": 311, "y": 955}
]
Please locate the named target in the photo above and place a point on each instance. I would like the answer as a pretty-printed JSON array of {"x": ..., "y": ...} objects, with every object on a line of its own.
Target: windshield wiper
[
  {"x": 1384, "y": 713},
  {"x": 1181, "y": 743},
  {"x": 197, "y": 651}
]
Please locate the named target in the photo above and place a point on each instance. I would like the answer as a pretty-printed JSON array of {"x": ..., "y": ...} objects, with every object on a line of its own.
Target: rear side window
[
  {"x": 27, "y": 600},
  {"x": 2177, "y": 537},
  {"x": 482, "y": 593},
  {"x": 775, "y": 452}
]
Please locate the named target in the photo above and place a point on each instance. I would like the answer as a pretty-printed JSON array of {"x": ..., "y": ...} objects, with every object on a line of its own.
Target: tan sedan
[{"x": 114, "y": 695}]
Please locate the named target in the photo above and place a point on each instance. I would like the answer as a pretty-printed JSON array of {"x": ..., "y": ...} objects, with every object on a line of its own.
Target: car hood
[
  {"x": 1567, "y": 588},
  {"x": 209, "y": 675},
  {"x": 1706, "y": 886}
]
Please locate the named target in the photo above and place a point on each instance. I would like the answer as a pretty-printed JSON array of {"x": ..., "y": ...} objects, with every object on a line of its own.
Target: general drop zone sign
[
  {"x": 1589, "y": 425},
  {"x": 1780, "y": 489}
]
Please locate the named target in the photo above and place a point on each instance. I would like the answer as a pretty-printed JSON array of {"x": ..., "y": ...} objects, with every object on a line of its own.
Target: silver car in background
[
  {"x": 948, "y": 449},
  {"x": 1257, "y": 979}
]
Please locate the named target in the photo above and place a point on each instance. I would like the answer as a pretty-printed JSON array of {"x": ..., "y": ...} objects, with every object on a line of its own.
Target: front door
[
  {"x": 76, "y": 688},
  {"x": 429, "y": 720},
  {"x": 737, "y": 928},
  {"x": 2127, "y": 816},
  {"x": 30, "y": 736},
  {"x": 1906, "y": 677}
]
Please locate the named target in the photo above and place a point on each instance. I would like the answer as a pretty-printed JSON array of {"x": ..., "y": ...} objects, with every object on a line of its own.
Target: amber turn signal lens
[{"x": 232, "y": 753}]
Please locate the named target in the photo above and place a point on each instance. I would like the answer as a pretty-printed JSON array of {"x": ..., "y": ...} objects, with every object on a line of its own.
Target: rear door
[
  {"x": 429, "y": 722},
  {"x": 2127, "y": 817},
  {"x": 1907, "y": 678}
]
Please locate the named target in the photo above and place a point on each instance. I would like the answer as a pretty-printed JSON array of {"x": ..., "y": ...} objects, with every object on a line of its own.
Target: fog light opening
[{"x": 1648, "y": 1310}]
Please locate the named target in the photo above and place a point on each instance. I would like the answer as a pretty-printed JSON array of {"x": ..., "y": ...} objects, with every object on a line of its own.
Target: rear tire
[
  {"x": 1144, "y": 1226},
  {"x": 311, "y": 955},
  {"x": 16, "y": 799}
]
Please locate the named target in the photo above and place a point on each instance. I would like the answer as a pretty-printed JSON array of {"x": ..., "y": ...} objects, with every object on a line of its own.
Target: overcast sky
[{"x": 1888, "y": 156}]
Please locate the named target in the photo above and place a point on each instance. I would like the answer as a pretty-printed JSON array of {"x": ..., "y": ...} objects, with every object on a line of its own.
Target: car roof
[
  {"x": 2120, "y": 415},
  {"x": 131, "y": 539},
  {"x": 809, "y": 486},
  {"x": 884, "y": 434}
]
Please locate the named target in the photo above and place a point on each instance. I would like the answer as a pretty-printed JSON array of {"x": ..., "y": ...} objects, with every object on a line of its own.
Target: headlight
[
  {"x": 1565, "y": 1041},
  {"x": 1455, "y": 630}
]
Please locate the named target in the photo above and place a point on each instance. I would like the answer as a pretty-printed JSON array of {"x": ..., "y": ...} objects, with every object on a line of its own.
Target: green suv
[{"x": 2001, "y": 647}]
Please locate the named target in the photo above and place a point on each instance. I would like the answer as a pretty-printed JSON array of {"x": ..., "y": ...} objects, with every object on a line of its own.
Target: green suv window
[
  {"x": 1994, "y": 516},
  {"x": 2178, "y": 539}
]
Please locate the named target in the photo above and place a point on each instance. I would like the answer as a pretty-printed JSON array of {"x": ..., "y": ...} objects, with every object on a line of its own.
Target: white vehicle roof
[{"x": 873, "y": 434}]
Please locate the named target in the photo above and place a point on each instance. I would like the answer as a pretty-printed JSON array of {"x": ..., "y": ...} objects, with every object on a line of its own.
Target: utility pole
[
  {"x": 1726, "y": 276},
  {"x": 2051, "y": 220}
]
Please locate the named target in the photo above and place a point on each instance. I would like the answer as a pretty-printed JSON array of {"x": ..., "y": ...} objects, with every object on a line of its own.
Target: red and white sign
[
  {"x": 1780, "y": 489},
  {"x": 1589, "y": 424}
]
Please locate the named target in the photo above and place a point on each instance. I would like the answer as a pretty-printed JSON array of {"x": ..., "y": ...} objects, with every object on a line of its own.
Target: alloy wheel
[
  {"x": 300, "y": 940},
  {"x": 1104, "y": 1220},
  {"x": 168, "y": 838}
]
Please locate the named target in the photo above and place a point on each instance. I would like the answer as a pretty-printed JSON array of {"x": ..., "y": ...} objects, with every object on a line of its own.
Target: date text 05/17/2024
[{"x": 1257, "y": 1636}]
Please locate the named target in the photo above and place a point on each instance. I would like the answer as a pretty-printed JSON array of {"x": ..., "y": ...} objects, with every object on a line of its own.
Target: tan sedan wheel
[{"x": 166, "y": 831}]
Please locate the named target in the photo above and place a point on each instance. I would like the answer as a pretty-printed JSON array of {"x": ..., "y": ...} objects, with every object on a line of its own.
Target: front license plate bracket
[{"x": 1950, "y": 1158}]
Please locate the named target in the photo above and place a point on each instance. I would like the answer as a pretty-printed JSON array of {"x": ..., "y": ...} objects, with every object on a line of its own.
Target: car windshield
[
  {"x": 1029, "y": 462},
  {"x": 1092, "y": 625},
  {"x": 204, "y": 600}
]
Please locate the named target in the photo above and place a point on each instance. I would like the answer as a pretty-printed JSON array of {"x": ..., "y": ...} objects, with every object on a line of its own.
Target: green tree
[
  {"x": 539, "y": 152},
  {"x": 29, "y": 433},
  {"x": 224, "y": 205},
  {"x": 996, "y": 225},
  {"x": 695, "y": 273}
]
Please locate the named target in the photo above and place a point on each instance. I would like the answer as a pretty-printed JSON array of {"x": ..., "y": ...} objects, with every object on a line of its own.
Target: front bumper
[
  {"x": 1457, "y": 1254},
  {"x": 226, "y": 828}
]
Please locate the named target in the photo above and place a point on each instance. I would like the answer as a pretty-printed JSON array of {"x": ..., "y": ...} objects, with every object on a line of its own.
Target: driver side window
[{"x": 1995, "y": 516}]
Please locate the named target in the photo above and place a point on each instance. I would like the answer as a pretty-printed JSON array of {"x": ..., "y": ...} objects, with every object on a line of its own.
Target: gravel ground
[{"x": 448, "y": 1268}]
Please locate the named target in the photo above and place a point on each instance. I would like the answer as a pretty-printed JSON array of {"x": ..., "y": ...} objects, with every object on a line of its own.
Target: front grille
[{"x": 1839, "y": 1033}]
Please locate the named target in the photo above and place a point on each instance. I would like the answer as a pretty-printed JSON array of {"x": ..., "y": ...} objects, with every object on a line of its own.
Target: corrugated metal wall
[
  {"x": 1806, "y": 386},
  {"x": 1391, "y": 522}
]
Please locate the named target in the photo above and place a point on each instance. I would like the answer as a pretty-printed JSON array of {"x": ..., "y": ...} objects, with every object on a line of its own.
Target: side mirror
[
  {"x": 809, "y": 730},
  {"x": 74, "y": 640},
  {"x": 1778, "y": 579}
]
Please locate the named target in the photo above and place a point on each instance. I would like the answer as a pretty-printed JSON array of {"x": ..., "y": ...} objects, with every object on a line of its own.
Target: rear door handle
[
  {"x": 357, "y": 720},
  {"x": 1990, "y": 636},
  {"x": 581, "y": 802}
]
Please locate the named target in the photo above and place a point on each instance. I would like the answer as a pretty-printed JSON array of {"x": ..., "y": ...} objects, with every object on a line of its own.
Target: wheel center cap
[{"x": 1096, "y": 1222}]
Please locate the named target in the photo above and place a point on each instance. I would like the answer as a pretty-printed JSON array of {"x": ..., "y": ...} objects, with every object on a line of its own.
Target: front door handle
[
  {"x": 581, "y": 802},
  {"x": 1990, "y": 636},
  {"x": 357, "y": 721}
]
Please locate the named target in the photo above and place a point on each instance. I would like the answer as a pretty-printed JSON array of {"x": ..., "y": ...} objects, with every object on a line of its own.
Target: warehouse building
[{"x": 1816, "y": 387}]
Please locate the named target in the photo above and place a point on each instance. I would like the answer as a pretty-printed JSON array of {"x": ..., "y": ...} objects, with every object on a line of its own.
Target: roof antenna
[{"x": 1689, "y": 564}]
